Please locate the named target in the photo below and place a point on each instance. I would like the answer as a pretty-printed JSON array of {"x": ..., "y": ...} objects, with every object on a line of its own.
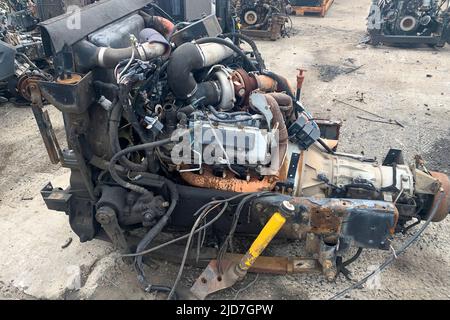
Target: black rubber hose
[
  {"x": 155, "y": 231},
  {"x": 132, "y": 118},
  {"x": 354, "y": 258},
  {"x": 233, "y": 47},
  {"x": 162, "y": 12},
  {"x": 114, "y": 123},
  {"x": 325, "y": 146},
  {"x": 183, "y": 61},
  {"x": 186, "y": 59},
  {"x": 115, "y": 159},
  {"x": 282, "y": 83},
  {"x": 252, "y": 44}
]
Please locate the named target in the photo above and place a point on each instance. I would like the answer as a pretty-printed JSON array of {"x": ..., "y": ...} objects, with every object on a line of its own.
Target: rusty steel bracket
[
  {"x": 108, "y": 219},
  {"x": 263, "y": 265},
  {"x": 214, "y": 279},
  {"x": 44, "y": 124}
]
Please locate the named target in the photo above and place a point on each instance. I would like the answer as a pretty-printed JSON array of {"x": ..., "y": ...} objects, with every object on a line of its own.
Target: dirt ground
[{"x": 408, "y": 85}]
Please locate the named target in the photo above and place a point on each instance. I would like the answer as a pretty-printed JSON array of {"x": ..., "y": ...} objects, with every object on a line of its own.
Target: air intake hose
[
  {"x": 88, "y": 55},
  {"x": 191, "y": 57}
]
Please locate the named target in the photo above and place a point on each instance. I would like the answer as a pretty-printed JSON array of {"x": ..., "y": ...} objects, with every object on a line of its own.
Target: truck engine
[
  {"x": 264, "y": 18},
  {"x": 410, "y": 22},
  {"x": 181, "y": 129}
]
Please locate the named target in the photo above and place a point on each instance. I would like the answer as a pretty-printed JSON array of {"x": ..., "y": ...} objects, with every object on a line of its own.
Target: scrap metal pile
[
  {"x": 263, "y": 18},
  {"x": 410, "y": 22},
  {"x": 21, "y": 51},
  {"x": 177, "y": 129}
]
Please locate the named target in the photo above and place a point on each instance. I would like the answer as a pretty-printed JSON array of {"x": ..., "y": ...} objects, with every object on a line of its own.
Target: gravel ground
[{"x": 408, "y": 85}]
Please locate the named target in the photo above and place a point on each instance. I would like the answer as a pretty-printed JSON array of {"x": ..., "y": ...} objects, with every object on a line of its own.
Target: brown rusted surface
[
  {"x": 212, "y": 280},
  {"x": 325, "y": 217},
  {"x": 24, "y": 85},
  {"x": 266, "y": 265},
  {"x": 300, "y": 78},
  {"x": 44, "y": 124},
  {"x": 332, "y": 144},
  {"x": 229, "y": 183},
  {"x": 286, "y": 104},
  {"x": 244, "y": 85},
  {"x": 70, "y": 80},
  {"x": 264, "y": 83},
  {"x": 279, "y": 265},
  {"x": 325, "y": 221},
  {"x": 444, "y": 207}
]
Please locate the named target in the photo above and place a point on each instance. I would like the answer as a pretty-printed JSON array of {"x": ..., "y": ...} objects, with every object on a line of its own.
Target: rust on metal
[
  {"x": 25, "y": 84},
  {"x": 44, "y": 124},
  {"x": 264, "y": 265},
  {"x": 211, "y": 280},
  {"x": 230, "y": 183},
  {"x": 70, "y": 80},
  {"x": 444, "y": 207},
  {"x": 325, "y": 221},
  {"x": 300, "y": 78}
]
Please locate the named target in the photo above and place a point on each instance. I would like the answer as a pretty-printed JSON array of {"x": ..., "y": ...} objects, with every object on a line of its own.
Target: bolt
[
  {"x": 105, "y": 215},
  {"x": 166, "y": 204},
  {"x": 288, "y": 208},
  {"x": 330, "y": 276}
]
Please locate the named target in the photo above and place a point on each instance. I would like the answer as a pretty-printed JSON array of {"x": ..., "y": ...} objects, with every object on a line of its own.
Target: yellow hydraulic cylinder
[
  {"x": 269, "y": 232},
  {"x": 212, "y": 280}
]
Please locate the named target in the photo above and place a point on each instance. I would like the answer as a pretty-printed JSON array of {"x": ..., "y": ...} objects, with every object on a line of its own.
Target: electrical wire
[
  {"x": 229, "y": 239},
  {"x": 202, "y": 209},
  {"x": 232, "y": 46},
  {"x": 186, "y": 251},
  {"x": 246, "y": 287},
  {"x": 252, "y": 44},
  {"x": 202, "y": 213},
  {"x": 396, "y": 254}
]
